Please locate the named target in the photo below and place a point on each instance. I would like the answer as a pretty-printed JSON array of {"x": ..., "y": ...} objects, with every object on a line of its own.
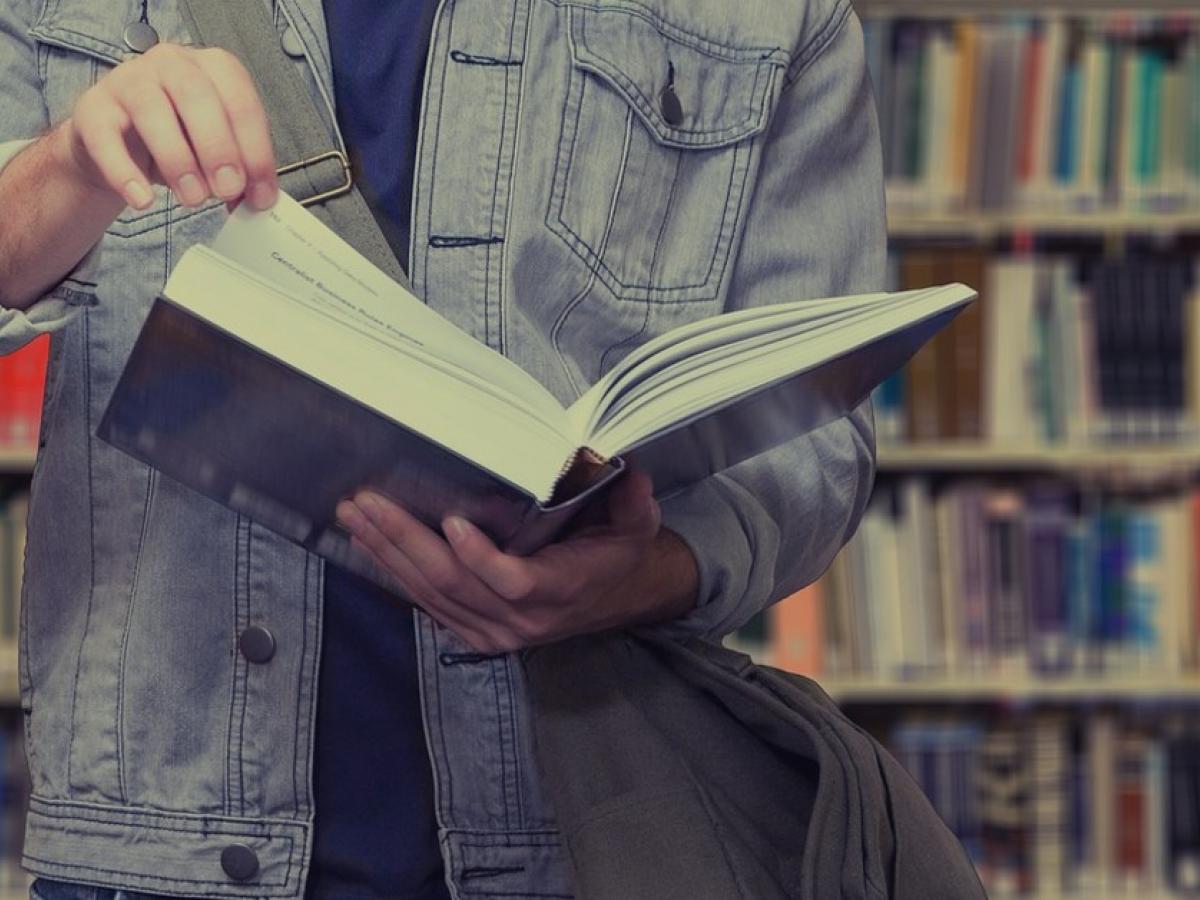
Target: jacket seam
[
  {"x": 816, "y": 47},
  {"x": 103, "y": 813},
  {"x": 122, "y": 787},
  {"x": 124, "y": 873},
  {"x": 516, "y": 740},
  {"x": 300, "y": 693},
  {"x": 87, "y": 617},
  {"x": 713, "y": 48}
]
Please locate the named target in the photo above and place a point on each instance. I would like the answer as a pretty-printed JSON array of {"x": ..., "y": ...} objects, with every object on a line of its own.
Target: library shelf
[
  {"x": 18, "y": 460},
  {"x": 989, "y": 225},
  {"x": 963, "y": 456},
  {"x": 942, "y": 8},
  {"x": 1098, "y": 688}
]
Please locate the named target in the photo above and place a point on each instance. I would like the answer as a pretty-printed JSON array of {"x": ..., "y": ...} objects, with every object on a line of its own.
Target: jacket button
[
  {"x": 140, "y": 36},
  {"x": 257, "y": 644},
  {"x": 239, "y": 862},
  {"x": 290, "y": 42}
]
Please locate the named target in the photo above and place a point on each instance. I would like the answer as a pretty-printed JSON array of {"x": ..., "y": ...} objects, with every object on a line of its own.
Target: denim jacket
[{"x": 560, "y": 216}]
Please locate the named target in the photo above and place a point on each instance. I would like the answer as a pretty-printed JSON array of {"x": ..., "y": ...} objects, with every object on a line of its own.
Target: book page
[
  {"x": 674, "y": 354},
  {"x": 719, "y": 375},
  {"x": 291, "y": 248},
  {"x": 450, "y": 407}
]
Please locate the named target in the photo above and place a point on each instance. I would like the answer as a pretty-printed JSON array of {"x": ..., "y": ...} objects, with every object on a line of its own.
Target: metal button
[
  {"x": 257, "y": 644},
  {"x": 140, "y": 36},
  {"x": 672, "y": 110},
  {"x": 239, "y": 862},
  {"x": 290, "y": 41}
]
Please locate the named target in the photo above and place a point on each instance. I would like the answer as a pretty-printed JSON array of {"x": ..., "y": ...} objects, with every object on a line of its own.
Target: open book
[{"x": 280, "y": 372}]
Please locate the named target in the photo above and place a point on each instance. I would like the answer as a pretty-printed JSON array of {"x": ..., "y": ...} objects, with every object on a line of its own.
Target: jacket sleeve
[
  {"x": 23, "y": 116},
  {"x": 815, "y": 228}
]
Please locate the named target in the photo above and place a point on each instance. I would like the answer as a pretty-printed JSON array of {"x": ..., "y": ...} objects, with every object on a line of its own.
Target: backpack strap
[{"x": 314, "y": 169}]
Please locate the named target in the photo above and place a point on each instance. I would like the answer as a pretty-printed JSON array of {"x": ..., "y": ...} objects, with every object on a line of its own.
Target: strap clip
[{"x": 320, "y": 158}]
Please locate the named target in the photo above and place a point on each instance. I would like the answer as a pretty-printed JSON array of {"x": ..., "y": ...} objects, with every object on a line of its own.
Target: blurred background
[{"x": 1018, "y": 616}]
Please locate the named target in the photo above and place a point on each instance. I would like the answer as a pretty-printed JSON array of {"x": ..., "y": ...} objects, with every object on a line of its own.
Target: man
[{"x": 562, "y": 179}]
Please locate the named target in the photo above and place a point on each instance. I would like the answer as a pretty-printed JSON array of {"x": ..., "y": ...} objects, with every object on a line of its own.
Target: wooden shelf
[
  {"x": 996, "y": 687},
  {"x": 988, "y": 225},
  {"x": 979, "y": 457},
  {"x": 1006, "y": 7},
  {"x": 1015, "y": 688},
  {"x": 17, "y": 459}
]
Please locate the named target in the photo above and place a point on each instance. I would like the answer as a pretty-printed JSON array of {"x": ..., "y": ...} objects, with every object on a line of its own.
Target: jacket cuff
[{"x": 709, "y": 519}]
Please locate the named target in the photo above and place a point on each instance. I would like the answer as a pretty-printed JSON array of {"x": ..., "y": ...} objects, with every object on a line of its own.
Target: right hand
[{"x": 187, "y": 118}]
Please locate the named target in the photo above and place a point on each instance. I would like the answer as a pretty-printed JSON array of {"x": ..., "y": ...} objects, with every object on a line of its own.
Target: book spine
[
  {"x": 1130, "y": 797},
  {"x": 796, "y": 631}
]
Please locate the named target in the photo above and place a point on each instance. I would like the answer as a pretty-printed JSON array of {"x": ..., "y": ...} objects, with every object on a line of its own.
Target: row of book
[
  {"x": 1041, "y": 113},
  {"x": 1057, "y": 349},
  {"x": 22, "y": 379},
  {"x": 1100, "y": 803},
  {"x": 971, "y": 579}
]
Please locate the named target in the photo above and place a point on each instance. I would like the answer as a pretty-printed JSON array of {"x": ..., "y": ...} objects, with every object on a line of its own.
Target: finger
[
  {"x": 153, "y": 117},
  {"x": 427, "y": 550},
  {"x": 446, "y": 614},
  {"x": 632, "y": 509},
  {"x": 99, "y": 125},
  {"x": 481, "y": 633},
  {"x": 200, "y": 109},
  {"x": 512, "y": 577},
  {"x": 248, "y": 119}
]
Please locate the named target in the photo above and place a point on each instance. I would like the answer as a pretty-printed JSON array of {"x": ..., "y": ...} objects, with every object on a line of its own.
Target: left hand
[{"x": 627, "y": 570}]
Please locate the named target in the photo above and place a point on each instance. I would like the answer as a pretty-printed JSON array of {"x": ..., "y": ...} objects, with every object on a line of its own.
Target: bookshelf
[
  {"x": 1023, "y": 155},
  {"x": 992, "y": 225},
  {"x": 960, "y": 8},
  {"x": 980, "y": 457},
  {"x": 1017, "y": 688}
]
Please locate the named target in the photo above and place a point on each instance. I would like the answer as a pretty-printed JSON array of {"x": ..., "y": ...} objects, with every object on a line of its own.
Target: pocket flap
[
  {"x": 723, "y": 91},
  {"x": 98, "y": 29}
]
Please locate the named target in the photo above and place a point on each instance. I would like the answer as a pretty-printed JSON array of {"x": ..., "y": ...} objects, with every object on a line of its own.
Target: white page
[
  {"x": 702, "y": 354},
  {"x": 293, "y": 249},
  {"x": 422, "y": 394},
  {"x": 667, "y": 350},
  {"x": 726, "y": 378}
]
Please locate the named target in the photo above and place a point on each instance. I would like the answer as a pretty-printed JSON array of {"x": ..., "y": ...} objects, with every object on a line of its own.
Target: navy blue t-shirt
[{"x": 375, "y": 833}]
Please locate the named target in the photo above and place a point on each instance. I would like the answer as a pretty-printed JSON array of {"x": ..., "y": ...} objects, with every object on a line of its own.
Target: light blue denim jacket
[{"x": 557, "y": 216}]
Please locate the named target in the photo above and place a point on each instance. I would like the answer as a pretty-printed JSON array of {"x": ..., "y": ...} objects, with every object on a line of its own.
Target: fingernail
[
  {"x": 191, "y": 191},
  {"x": 349, "y": 515},
  {"x": 369, "y": 504},
  {"x": 137, "y": 194},
  {"x": 262, "y": 195},
  {"x": 229, "y": 182},
  {"x": 456, "y": 528}
]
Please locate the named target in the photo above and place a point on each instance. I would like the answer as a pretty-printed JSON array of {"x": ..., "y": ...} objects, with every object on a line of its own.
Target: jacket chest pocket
[
  {"x": 655, "y": 152},
  {"x": 81, "y": 41}
]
